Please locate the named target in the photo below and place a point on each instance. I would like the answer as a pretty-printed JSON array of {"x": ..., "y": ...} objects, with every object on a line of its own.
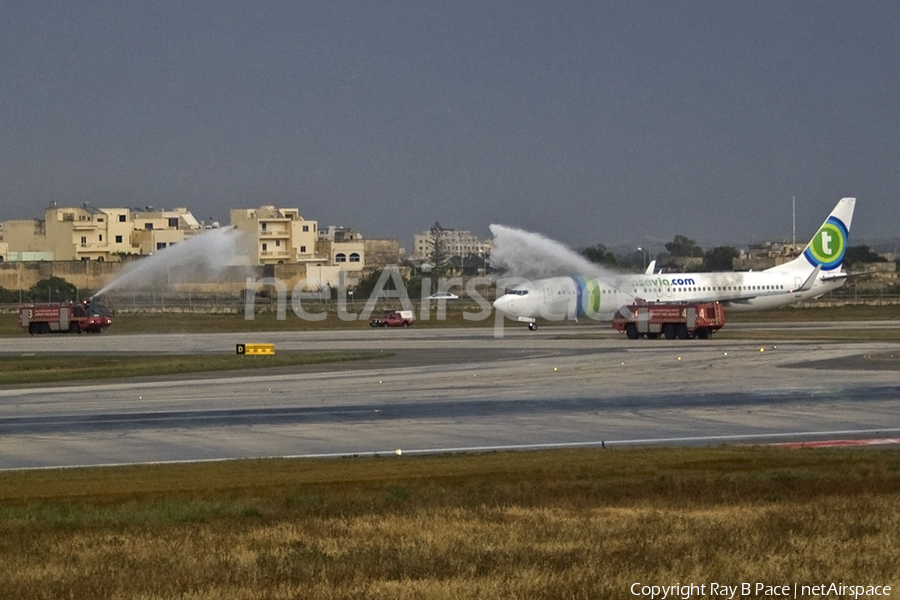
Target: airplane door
[
  {"x": 548, "y": 292},
  {"x": 798, "y": 283}
]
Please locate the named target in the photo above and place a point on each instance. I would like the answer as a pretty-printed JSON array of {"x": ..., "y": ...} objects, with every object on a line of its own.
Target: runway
[{"x": 440, "y": 390}]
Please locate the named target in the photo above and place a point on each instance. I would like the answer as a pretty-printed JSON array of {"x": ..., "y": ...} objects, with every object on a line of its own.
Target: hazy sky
[{"x": 612, "y": 122}]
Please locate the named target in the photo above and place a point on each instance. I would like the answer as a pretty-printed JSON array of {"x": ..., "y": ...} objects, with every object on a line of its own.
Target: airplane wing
[
  {"x": 736, "y": 301},
  {"x": 841, "y": 275}
]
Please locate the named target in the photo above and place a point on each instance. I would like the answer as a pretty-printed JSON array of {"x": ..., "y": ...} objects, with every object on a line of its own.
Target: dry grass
[{"x": 574, "y": 524}]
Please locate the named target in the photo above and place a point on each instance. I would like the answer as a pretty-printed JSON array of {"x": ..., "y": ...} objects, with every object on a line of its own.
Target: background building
[
  {"x": 455, "y": 242},
  {"x": 343, "y": 247},
  {"x": 152, "y": 230},
  {"x": 89, "y": 245},
  {"x": 283, "y": 236},
  {"x": 101, "y": 234}
]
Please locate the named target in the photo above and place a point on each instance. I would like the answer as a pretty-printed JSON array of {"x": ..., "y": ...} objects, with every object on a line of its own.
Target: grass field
[
  {"x": 50, "y": 368},
  {"x": 563, "y": 524}
]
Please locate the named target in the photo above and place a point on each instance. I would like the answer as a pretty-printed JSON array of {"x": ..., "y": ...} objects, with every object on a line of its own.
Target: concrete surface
[{"x": 451, "y": 390}]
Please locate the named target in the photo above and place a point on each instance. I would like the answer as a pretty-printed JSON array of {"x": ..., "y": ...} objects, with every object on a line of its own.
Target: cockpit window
[{"x": 519, "y": 292}]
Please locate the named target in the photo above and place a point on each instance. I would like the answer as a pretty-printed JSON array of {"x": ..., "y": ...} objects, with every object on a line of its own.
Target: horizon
[{"x": 621, "y": 248}]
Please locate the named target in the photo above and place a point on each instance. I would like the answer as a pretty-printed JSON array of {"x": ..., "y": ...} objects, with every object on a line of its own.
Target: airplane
[{"x": 816, "y": 271}]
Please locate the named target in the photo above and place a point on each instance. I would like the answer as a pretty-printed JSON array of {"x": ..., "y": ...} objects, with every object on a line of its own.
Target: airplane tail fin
[{"x": 826, "y": 249}]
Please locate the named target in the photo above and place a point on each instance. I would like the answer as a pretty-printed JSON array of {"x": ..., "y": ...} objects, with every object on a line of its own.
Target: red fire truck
[
  {"x": 87, "y": 317},
  {"x": 672, "y": 320}
]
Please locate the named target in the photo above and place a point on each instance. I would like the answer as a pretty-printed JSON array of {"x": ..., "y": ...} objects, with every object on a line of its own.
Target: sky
[{"x": 589, "y": 122}]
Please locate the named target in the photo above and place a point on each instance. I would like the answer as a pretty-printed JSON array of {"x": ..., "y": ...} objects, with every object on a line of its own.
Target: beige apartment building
[
  {"x": 343, "y": 247},
  {"x": 347, "y": 249},
  {"x": 283, "y": 236},
  {"x": 158, "y": 229},
  {"x": 101, "y": 234}
]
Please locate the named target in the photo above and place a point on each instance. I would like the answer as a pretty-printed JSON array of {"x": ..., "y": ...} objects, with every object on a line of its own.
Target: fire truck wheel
[
  {"x": 631, "y": 332},
  {"x": 74, "y": 328}
]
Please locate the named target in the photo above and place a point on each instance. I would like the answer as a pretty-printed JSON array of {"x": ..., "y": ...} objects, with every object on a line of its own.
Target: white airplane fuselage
[{"x": 812, "y": 274}]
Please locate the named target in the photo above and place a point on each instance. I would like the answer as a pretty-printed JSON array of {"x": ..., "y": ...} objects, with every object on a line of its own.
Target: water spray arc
[
  {"x": 200, "y": 259},
  {"x": 530, "y": 255}
]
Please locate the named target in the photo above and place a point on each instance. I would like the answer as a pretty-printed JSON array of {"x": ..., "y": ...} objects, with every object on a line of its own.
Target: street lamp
[{"x": 645, "y": 256}]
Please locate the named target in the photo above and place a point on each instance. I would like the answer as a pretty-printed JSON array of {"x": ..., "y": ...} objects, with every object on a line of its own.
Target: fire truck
[
  {"x": 671, "y": 320},
  {"x": 88, "y": 317}
]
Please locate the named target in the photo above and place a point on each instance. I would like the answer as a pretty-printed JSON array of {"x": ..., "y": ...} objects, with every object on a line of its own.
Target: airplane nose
[{"x": 505, "y": 305}]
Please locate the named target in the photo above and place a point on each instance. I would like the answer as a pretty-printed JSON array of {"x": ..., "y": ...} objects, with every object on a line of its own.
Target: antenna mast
[{"x": 794, "y": 219}]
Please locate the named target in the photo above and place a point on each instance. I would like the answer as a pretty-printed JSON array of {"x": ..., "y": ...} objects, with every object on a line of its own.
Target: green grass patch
[
  {"x": 561, "y": 524},
  {"x": 50, "y": 368},
  {"x": 199, "y": 322},
  {"x": 777, "y": 335},
  {"x": 613, "y": 476},
  {"x": 799, "y": 334},
  {"x": 266, "y": 319},
  {"x": 813, "y": 313}
]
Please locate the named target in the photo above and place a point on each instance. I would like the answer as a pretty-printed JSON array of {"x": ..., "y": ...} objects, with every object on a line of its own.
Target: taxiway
[{"x": 450, "y": 390}]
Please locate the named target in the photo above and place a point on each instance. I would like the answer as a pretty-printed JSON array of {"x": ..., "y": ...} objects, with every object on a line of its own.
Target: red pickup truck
[{"x": 394, "y": 318}]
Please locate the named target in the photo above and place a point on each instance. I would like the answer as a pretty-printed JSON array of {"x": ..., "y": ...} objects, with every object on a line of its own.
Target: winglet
[{"x": 810, "y": 281}]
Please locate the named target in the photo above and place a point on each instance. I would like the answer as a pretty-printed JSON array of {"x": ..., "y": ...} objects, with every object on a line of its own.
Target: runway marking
[
  {"x": 837, "y": 443},
  {"x": 882, "y": 356},
  {"x": 601, "y": 443},
  {"x": 499, "y": 448}
]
